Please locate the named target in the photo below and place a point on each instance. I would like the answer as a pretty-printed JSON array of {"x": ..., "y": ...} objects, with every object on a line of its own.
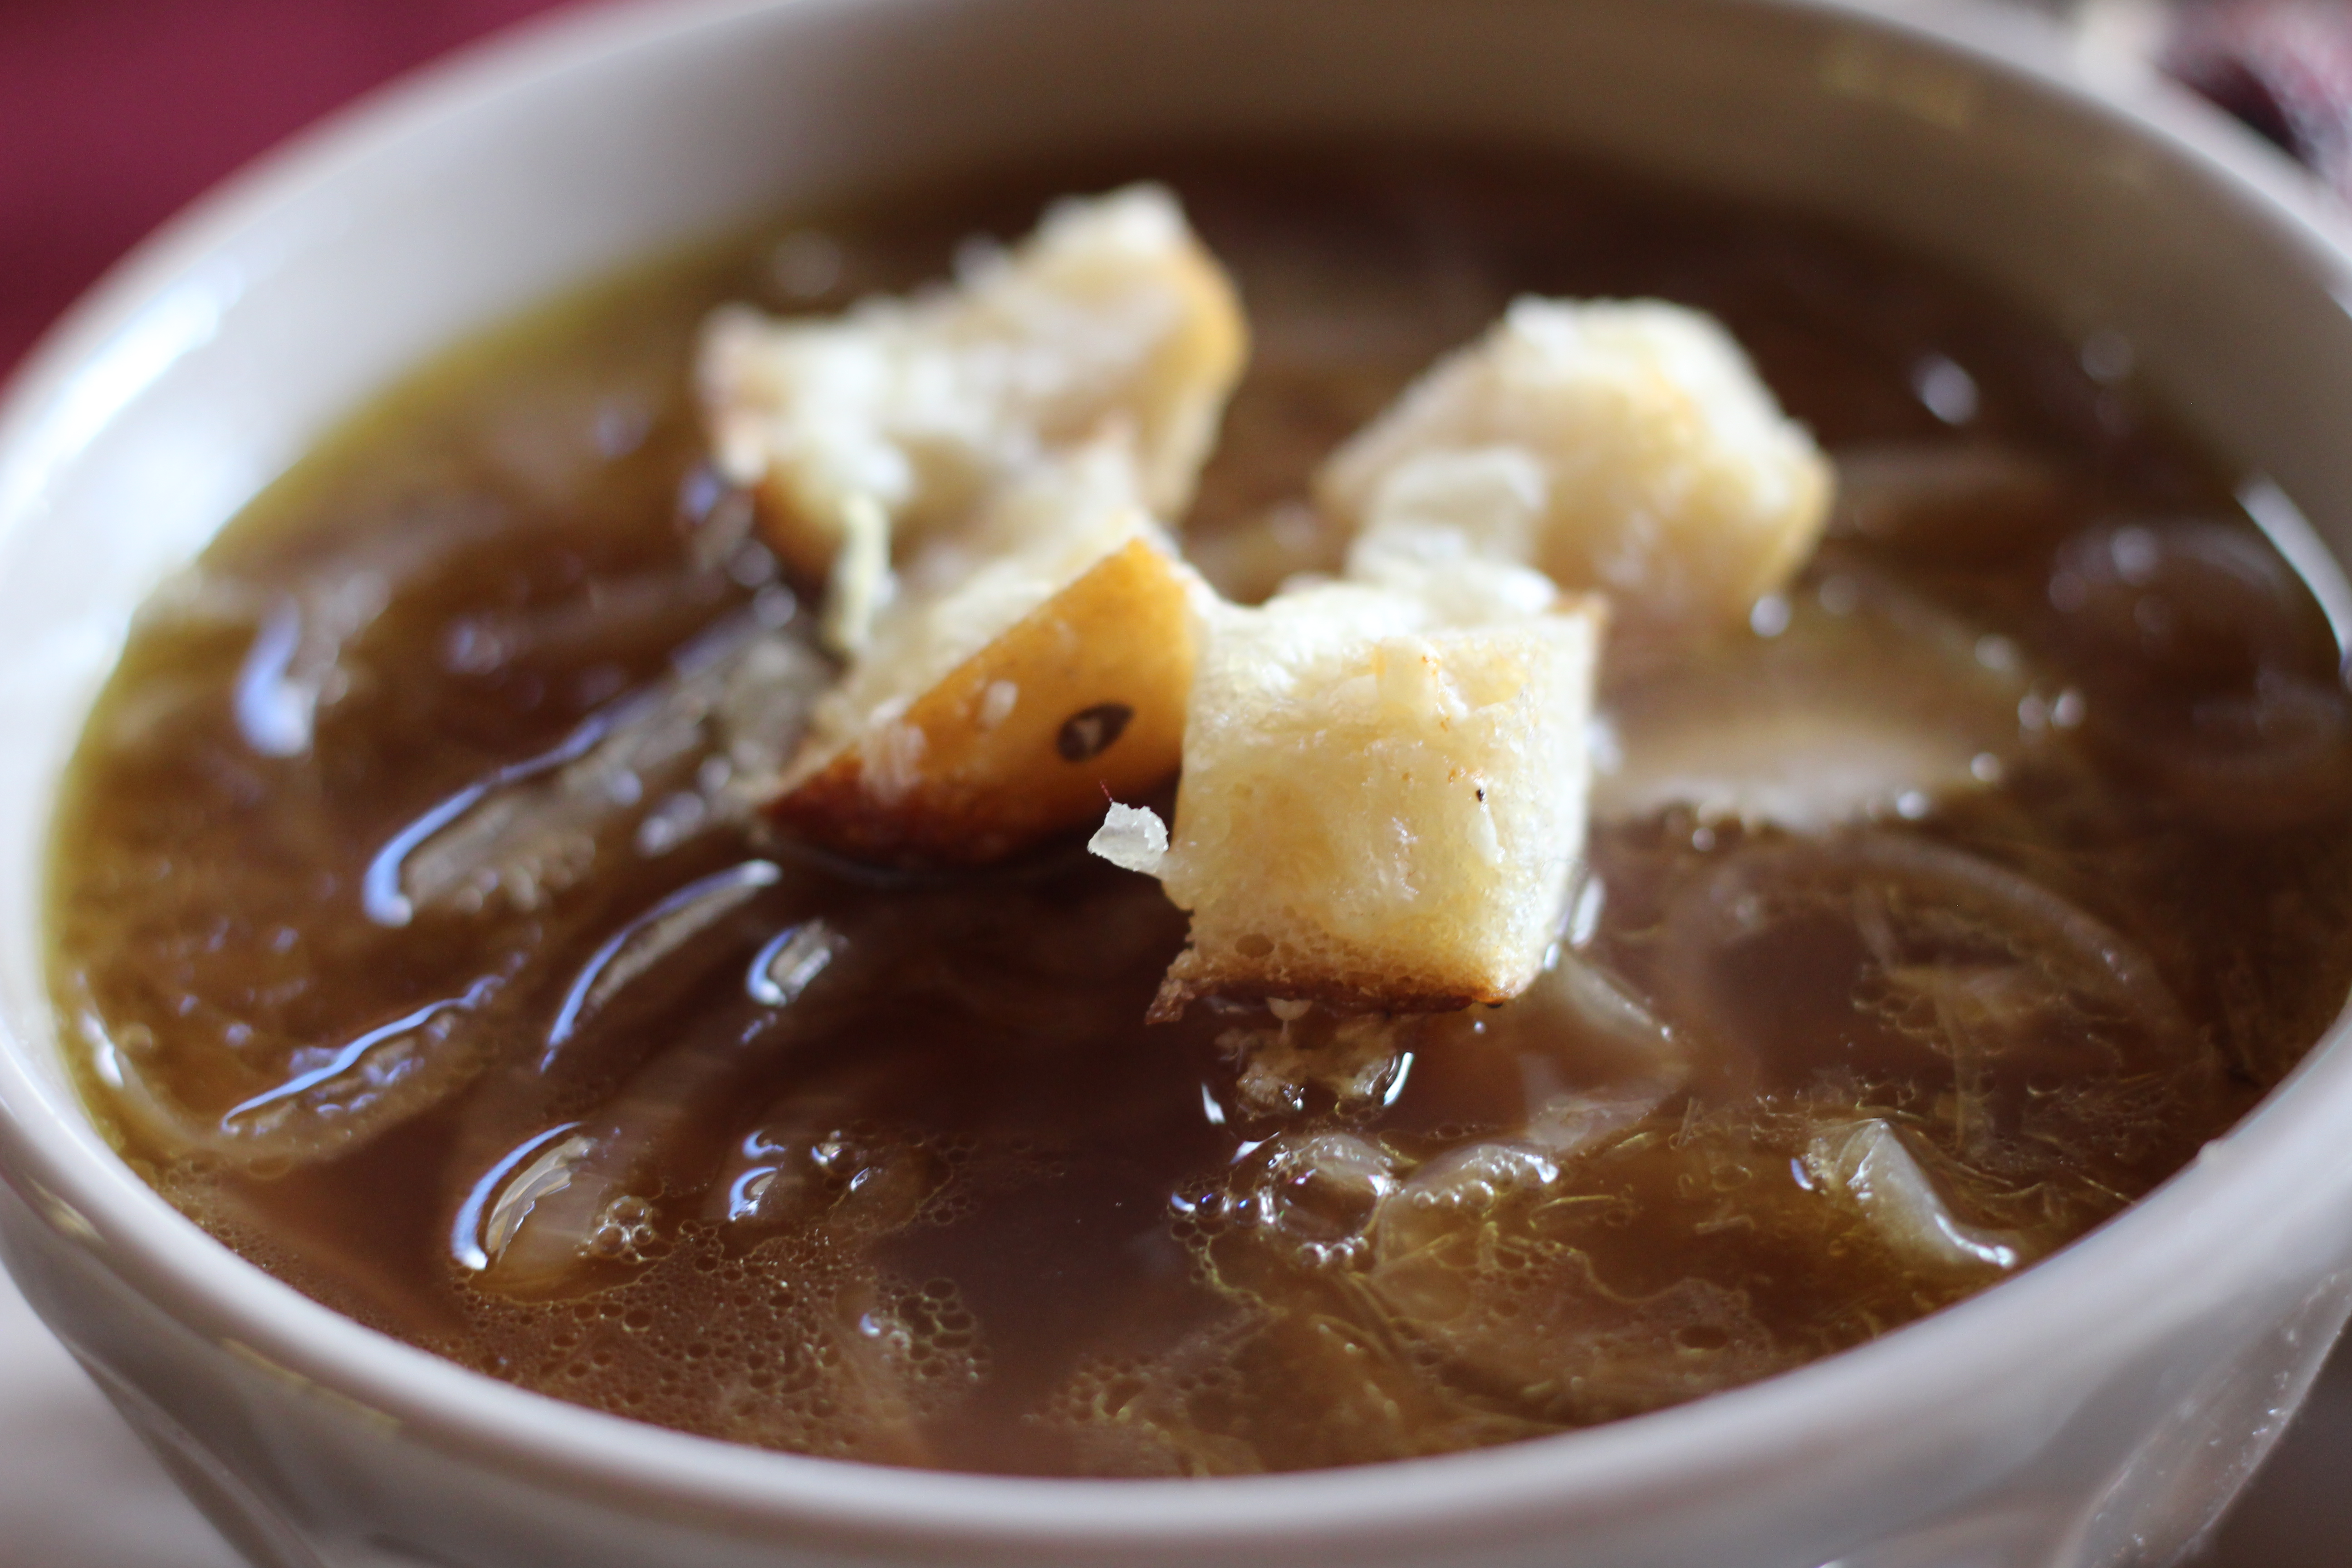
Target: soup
[{"x": 423, "y": 941}]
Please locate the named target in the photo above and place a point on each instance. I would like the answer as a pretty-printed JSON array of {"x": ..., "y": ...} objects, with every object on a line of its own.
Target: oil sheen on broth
[{"x": 420, "y": 947}]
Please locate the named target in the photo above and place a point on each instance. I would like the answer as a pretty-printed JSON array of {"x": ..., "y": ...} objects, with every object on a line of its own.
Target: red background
[{"x": 116, "y": 113}]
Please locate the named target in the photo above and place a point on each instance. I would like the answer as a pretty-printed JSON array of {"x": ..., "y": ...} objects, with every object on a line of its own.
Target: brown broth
[{"x": 952, "y": 1204}]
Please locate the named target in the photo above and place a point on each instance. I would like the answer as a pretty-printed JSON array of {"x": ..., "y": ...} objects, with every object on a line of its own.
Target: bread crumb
[{"x": 1132, "y": 838}]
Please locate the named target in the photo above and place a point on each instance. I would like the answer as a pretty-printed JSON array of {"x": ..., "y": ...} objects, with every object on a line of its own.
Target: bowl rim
[{"x": 2224, "y": 1205}]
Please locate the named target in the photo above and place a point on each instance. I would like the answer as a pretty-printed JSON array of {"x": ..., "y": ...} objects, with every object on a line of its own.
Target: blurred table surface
[{"x": 112, "y": 114}]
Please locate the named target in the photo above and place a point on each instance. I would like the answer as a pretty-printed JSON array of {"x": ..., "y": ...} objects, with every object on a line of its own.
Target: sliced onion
[
  {"x": 1867, "y": 1164},
  {"x": 298, "y": 663},
  {"x": 2040, "y": 1043},
  {"x": 2209, "y": 669},
  {"x": 335, "y": 1098},
  {"x": 736, "y": 694},
  {"x": 589, "y": 1213},
  {"x": 498, "y": 1204},
  {"x": 646, "y": 941},
  {"x": 1567, "y": 1125},
  {"x": 1956, "y": 501},
  {"x": 1863, "y": 699}
]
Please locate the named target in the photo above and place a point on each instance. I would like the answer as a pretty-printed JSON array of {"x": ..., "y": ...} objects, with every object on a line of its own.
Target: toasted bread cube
[
  {"x": 1379, "y": 810},
  {"x": 1032, "y": 666},
  {"x": 1111, "y": 313},
  {"x": 1626, "y": 447}
]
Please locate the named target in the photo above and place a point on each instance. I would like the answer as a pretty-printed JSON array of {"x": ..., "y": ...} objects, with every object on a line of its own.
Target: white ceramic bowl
[{"x": 2098, "y": 1410}]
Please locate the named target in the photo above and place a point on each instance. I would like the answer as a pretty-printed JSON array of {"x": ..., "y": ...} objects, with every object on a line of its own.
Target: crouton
[
  {"x": 1625, "y": 447},
  {"x": 1380, "y": 809},
  {"x": 1033, "y": 663},
  {"x": 916, "y": 409}
]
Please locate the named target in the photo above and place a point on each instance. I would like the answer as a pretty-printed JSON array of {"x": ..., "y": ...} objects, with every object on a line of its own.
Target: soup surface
[{"x": 421, "y": 943}]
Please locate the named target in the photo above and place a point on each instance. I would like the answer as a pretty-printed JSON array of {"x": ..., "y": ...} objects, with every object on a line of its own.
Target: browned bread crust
[{"x": 1096, "y": 679}]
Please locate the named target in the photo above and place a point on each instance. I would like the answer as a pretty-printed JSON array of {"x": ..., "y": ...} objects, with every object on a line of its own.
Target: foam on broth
[{"x": 646, "y": 1110}]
